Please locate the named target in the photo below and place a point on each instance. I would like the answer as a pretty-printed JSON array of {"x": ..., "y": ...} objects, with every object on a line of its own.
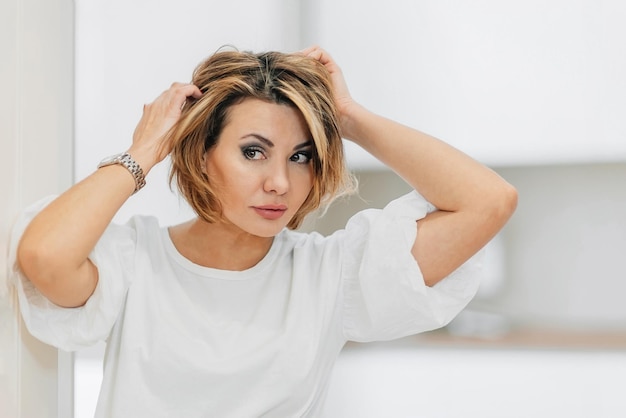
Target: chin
[
  {"x": 262, "y": 231},
  {"x": 268, "y": 232}
]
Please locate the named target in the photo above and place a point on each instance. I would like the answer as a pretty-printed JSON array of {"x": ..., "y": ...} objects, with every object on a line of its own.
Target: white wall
[{"x": 36, "y": 127}]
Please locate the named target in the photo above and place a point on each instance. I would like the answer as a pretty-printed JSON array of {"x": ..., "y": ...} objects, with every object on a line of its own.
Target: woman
[{"x": 235, "y": 314}]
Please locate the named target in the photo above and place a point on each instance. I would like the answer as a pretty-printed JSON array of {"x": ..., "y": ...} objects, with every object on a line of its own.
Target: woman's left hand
[
  {"x": 343, "y": 99},
  {"x": 474, "y": 202}
]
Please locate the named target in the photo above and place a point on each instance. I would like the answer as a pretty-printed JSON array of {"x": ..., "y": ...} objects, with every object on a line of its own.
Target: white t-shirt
[{"x": 189, "y": 341}]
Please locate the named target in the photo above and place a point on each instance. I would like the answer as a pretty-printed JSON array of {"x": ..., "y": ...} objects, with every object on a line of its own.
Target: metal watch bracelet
[{"x": 131, "y": 165}]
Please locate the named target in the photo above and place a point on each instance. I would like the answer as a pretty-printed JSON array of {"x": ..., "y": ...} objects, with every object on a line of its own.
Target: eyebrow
[{"x": 270, "y": 144}]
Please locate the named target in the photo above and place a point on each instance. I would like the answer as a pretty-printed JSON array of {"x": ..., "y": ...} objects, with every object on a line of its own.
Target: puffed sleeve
[
  {"x": 385, "y": 296},
  {"x": 75, "y": 328}
]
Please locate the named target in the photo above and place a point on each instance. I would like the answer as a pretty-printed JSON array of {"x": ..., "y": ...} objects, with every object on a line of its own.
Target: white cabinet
[{"x": 509, "y": 82}]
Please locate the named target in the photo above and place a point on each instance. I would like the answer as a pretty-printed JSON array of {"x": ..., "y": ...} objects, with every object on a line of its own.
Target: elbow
[
  {"x": 503, "y": 203},
  {"x": 28, "y": 258},
  {"x": 54, "y": 275},
  {"x": 36, "y": 263},
  {"x": 509, "y": 198}
]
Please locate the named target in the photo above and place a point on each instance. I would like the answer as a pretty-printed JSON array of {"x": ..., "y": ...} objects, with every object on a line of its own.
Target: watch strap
[{"x": 131, "y": 165}]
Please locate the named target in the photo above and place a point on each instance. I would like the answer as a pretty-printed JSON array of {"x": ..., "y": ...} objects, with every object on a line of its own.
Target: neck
[{"x": 219, "y": 245}]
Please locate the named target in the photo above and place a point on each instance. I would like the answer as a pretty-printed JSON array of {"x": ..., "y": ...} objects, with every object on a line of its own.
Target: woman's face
[{"x": 261, "y": 166}]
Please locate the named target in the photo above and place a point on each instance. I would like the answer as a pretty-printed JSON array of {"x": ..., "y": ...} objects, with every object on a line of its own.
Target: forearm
[
  {"x": 53, "y": 251},
  {"x": 474, "y": 202},
  {"x": 445, "y": 176}
]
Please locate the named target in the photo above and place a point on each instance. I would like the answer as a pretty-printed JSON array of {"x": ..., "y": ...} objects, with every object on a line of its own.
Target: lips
[{"x": 270, "y": 212}]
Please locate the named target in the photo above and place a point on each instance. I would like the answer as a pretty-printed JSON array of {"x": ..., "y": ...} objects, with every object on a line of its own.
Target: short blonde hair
[{"x": 227, "y": 78}]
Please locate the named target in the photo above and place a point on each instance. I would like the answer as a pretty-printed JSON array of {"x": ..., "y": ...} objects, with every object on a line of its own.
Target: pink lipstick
[{"x": 270, "y": 212}]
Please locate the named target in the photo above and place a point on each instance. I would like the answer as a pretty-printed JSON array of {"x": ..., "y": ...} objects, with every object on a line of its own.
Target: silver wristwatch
[{"x": 127, "y": 161}]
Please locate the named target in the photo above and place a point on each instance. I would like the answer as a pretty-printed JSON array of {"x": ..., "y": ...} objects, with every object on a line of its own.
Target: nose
[{"x": 277, "y": 178}]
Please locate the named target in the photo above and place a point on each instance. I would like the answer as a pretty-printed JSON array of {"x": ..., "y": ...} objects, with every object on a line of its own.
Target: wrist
[
  {"x": 147, "y": 157},
  {"x": 134, "y": 168},
  {"x": 350, "y": 120}
]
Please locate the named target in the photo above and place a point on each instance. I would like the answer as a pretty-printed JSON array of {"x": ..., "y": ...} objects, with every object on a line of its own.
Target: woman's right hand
[
  {"x": 150, "y": 139},
  {"x": 55, "y": 247}
]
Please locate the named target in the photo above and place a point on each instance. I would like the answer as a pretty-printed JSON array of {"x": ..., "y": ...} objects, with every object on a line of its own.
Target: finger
[
  {"x": 196, "y": 93},
  {"x": 323, "y": 56},
  {"x": 306, "y": 51},
  {"x": 186, "y": 89},
  {"x": 179, "y": 93},
  {"x": 320, "y": 55},
  {"x": 191, "y": 92}
]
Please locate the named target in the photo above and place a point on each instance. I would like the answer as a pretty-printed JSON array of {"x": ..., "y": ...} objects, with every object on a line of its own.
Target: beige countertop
[
  {"x": 517, "y": 338},
  {"x": 529, "y": 337}
]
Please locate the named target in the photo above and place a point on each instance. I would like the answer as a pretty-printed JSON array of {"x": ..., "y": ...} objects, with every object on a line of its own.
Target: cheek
[
  {"x": 310, "y": 177},
  {"x": 305, "y": 183},
  {"x": 234, "y": 183},
  {"x": 221, "y": 167},
  {"x": 218, "y": 179}
]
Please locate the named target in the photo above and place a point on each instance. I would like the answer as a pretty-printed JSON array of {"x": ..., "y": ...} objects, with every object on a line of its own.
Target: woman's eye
[
  {"x": 301, "y": 157},
  {"x": 252, "y": 153}
]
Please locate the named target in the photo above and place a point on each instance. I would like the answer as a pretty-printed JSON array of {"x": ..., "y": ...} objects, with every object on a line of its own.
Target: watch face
[{"x": 113, "y": 159}]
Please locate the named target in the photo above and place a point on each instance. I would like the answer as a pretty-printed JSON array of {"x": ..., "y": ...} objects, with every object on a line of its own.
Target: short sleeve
[
  {"x": 75, "y": 328},
  {"x": 385, "y": 296}
]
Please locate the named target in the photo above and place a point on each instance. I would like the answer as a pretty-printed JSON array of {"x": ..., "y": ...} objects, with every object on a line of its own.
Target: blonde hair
[{"x": 227, "y": 78}]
